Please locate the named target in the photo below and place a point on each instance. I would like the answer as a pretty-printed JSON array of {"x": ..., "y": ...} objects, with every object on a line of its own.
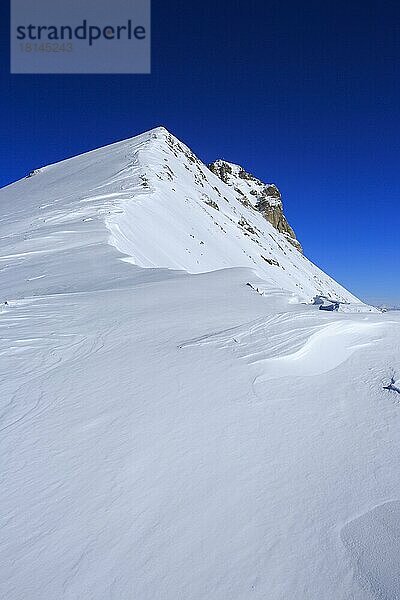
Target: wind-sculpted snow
[
  {"x": 191, "y": 431},
  {"x": 143, "y": 457},
  {"x": 297, "y": 343}
]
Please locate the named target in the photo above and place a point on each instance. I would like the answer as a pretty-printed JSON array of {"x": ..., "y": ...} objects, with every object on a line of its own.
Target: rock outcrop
[{"x": 263, "y": 197}]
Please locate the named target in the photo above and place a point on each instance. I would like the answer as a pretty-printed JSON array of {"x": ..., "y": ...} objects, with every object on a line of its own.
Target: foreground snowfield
[{"x": 168, "y": 435}]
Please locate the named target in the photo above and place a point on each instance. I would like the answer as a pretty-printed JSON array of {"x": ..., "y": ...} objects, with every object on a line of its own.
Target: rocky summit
[{"x": 264, "y": 197}]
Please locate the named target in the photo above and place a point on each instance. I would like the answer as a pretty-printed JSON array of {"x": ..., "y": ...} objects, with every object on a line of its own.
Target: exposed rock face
[{"x": 263, "y": 197}]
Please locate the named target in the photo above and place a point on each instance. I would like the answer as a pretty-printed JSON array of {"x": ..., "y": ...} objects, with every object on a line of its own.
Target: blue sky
[{"x": 303, "y": 94}]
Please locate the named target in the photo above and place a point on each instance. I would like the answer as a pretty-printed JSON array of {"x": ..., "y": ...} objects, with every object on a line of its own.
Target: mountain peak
[
  {"x": 159, "y": 132},
  {"x": 151, "y": 201}
]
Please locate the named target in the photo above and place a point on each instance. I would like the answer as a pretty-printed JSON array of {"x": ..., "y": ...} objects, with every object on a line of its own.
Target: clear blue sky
[{"x": 304, "y": 94}]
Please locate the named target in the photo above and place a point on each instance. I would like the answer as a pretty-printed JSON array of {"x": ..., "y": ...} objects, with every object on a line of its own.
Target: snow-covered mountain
[
  {"x": 153, "y": 200},
  {"x": 178, "y": 419}
]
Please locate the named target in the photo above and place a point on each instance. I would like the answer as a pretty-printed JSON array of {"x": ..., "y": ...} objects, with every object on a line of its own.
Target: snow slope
[{"x": 176, "y": 432}]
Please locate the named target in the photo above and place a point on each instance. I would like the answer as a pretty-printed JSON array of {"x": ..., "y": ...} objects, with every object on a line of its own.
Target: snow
[
  {"x": 189, "y": 429},
  {"x": 250, "y": 186},
  {"x": 374, "y": 545}
]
